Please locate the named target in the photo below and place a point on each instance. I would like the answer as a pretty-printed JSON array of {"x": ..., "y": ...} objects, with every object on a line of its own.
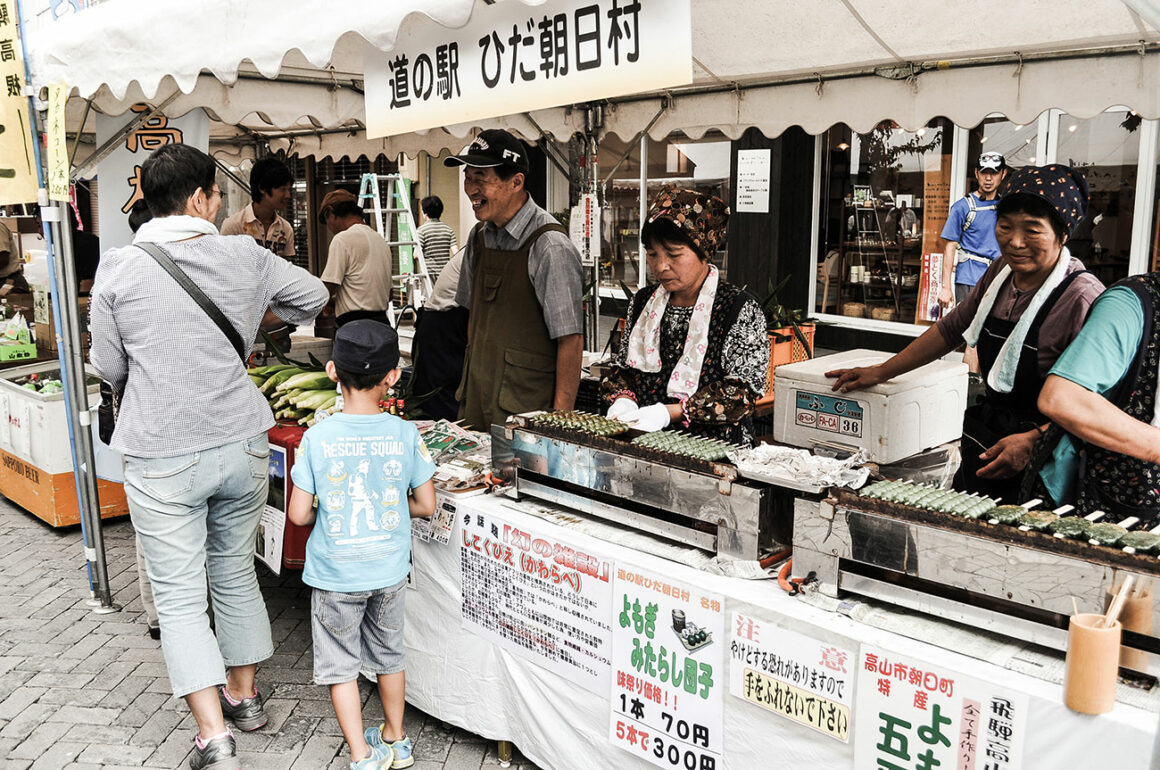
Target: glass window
[
  {"x": 885, "y": 197},
  {"x": 1014, "y": 141},
  {"x": 1106, "y": 149},
  {"x": 701, "y": 165}
]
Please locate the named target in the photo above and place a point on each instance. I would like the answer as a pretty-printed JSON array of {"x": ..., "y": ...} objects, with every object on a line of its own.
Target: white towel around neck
[
  {"x": 173, "y": 228},
  {"x": 1002, "y": 375}
]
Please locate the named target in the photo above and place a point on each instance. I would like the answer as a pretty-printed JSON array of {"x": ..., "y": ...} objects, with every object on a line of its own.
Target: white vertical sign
[
  {"x": 120, "y": 172},
  {"x": 753, "y": 181}
]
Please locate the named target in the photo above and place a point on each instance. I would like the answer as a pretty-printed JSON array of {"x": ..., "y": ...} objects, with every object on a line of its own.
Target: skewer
[
  {"x": 1118, "y": 602},
  {"x": 1075, "y": 605}
]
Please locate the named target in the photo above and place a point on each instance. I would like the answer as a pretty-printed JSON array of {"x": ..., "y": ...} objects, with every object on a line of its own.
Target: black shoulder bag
[{"x": 110, "y": 399}]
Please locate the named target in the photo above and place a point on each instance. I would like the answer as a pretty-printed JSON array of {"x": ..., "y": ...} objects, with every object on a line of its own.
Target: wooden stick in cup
[{"x": 1118, "y": 602}]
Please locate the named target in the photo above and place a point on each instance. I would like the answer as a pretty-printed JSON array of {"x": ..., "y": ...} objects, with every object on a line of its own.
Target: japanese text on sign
[
  {"x": 803, "y": 679},
  {"x": 511, "y": 58},
  {"x": 668, "y": 657},
  {"x": 913, "y": 715},
  {"x": 537, "y": 597},
  {"x": 17, "y": 172}
]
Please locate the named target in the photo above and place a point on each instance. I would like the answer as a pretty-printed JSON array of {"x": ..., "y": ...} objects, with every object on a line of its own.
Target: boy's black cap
[
  {"x": 493, "y": 147},
  {"x": 366, "y": 347}
]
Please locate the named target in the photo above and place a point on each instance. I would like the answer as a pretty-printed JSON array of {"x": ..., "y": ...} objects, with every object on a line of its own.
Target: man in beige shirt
[
  {"x": 270, "y": 188},
  {"x": 358, "y": 265}
]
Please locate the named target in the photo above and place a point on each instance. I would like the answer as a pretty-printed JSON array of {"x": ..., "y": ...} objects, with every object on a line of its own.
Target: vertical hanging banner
[
  {"x": 58, "y": 171},
  {"x": 802, "y": 679},
  {"x": 914, "y": 714},
  {"x": 120, "y": 171},
  {"x": 537, "y": 596},
  {"x": 17, "y": 161},
  {"x": 511, "y": 58},
  {"x": 668, "y": 655}
]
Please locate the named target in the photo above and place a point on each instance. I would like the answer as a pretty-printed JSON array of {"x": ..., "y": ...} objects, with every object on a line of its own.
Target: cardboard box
[{"x": 46, "y": 329}]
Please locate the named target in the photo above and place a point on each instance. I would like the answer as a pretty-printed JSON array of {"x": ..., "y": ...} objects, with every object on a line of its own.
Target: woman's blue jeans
[{"x": 196, "y": 513}]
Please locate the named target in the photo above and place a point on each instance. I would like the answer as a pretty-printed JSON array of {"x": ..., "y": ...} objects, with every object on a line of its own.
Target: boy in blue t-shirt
[{"x": 360, "y": 464}]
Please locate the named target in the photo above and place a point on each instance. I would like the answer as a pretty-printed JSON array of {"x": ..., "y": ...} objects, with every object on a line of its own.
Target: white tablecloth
[{"x": 470, "y": 682}]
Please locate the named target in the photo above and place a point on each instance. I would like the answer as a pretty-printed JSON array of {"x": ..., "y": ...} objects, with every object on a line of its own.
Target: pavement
[{"x": 84, "y": 691}]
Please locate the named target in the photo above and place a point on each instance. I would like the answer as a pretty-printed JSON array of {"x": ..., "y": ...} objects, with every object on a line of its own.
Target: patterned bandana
[
  {"x": 1064, "y": 189},
  {"x": 702, "y": 216}
]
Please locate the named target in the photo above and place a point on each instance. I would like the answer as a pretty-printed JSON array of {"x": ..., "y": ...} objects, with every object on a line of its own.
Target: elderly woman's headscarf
[
  {"x": 1061, "y": 187},
  {"x": 702, "y": 217}
]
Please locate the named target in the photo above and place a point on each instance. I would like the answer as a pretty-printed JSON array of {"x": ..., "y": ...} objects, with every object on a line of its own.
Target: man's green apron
[{"x": 511, "y": 360}]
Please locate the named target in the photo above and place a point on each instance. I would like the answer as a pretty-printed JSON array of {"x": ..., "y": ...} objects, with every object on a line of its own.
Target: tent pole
[
  {"x": 65, "y": 306},
  {"x": 84, "y": 479}
]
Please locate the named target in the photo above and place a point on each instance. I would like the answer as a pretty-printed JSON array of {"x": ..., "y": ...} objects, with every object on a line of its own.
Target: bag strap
[
  {"x": 206, "y": 304},
  {"x": 970, "y": 220}
]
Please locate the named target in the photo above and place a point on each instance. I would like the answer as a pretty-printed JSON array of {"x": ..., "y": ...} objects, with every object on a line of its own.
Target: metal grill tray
[
  {"x": 1003, "y": 533},
  {"x": 622, "y": 444}
]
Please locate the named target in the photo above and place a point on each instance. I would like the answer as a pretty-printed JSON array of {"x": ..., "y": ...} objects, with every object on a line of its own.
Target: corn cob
[
  {"x": 306, "y": 381},
  {"x": 277, "y": 378}
]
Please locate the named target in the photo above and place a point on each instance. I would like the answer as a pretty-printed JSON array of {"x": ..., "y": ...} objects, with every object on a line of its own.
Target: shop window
[
  {"x": 1106, "y": 150},
  {"x": 885, "y": 197},
  {"x": 1016, "y": 142},
  {"x": 701, "y": 165}
]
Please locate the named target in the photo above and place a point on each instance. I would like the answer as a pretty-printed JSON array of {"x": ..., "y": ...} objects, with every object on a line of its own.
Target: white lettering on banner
[
  {"x": 915, "y": 714},
  {"x": 511, "y": 58},
  {"x": 537, "y": 597}
]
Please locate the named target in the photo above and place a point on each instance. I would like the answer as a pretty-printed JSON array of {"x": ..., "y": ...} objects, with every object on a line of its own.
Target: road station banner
[
  {"x": 17, "y": 169},
  {"x": 512, "y": 58}
]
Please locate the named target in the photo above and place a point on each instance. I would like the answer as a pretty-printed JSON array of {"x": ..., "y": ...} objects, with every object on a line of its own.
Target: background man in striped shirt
[{"x": 435, "y": 238}]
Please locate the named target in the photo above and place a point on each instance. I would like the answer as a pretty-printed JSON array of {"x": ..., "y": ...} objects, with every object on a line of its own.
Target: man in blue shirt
[{"x": 970, "y": 232}]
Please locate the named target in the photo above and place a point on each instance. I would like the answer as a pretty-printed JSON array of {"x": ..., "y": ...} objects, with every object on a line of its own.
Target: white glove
[
  {"x": 650, "y": 418},
  {"x": 621, "y": 407}
]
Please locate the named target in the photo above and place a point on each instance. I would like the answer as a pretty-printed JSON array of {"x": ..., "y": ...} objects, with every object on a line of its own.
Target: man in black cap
[{"x": 521, "y": 280}]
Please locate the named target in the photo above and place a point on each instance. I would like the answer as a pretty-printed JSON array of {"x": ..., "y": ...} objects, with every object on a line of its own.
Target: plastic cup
[{"x": 1092, "y": 664}]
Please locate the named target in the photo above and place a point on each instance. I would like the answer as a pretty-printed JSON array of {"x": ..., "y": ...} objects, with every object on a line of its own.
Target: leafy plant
[{"x": 779, "y": 316}]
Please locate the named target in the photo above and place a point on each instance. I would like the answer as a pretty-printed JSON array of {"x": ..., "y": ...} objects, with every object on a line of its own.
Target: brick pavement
[{"x": 85, "y": 691}]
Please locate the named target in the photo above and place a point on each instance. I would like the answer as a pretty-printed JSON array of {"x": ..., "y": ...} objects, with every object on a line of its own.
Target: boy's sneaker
[
  {"x": 401, "y": 748},
  {"x": 247, "y": 714},
  {"x": 380, "y": 759},
  {"x": 221, "y": 753}
]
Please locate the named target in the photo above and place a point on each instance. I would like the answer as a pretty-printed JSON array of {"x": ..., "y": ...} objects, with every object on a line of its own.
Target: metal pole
[
  {"x": 71, "y": 368},
  {"x": 641, "y": 260}
]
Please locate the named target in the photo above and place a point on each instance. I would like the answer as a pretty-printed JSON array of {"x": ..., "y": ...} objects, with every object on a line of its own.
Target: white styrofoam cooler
[
  {"x": 35, "y": 427},
  {"x": 891, "y": 421}
]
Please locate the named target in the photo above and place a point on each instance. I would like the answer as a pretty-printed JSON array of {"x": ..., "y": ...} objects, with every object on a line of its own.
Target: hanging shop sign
[
  {"x": 753, "y": 181},
  {"x": 537, "y": 596},
  {"x": 512, "y": 58},
  {"x": 915, "y": 714},
  {"x": 56, "y": 149},
  {"x": 668, "y": 657},
  {"x": 17, "y": 169},
  {"x": 802, "y": 679},
  {"x": 120, "y": 171}
]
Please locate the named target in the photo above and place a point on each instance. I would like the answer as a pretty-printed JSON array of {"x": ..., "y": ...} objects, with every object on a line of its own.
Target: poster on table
[
  {"x": 910, "y": 713},
  {"x": 797, "y": 677},
  {"x": 120, "y": 171},
  {"x": 668, "y": 656},
  {"x": 272, "y": 526},
  {"x": 17, "y": 163},
  {"x": 537, "y": 596},
  {"x": 438, "y": 527},
  {"x": 512, "y": 58},
  {"x": 753, "y": 181}
]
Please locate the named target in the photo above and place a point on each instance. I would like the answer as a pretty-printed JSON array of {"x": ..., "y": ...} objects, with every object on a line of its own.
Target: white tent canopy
[{"x": 763, "y": 63}]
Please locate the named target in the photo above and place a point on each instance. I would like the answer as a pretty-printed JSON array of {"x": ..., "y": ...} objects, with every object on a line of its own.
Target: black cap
[
  {"x": 365, "y": 347},
  {"x": 492, "y": 148}
]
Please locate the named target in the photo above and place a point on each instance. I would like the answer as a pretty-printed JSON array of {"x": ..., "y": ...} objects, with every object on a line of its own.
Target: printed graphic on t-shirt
[{"x": 361, "y": 492}]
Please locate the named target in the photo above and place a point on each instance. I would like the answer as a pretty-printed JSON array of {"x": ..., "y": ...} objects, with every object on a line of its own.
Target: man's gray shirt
[
  {"x": 553, "y": 266},
  {"x": 184, "y": 387}
]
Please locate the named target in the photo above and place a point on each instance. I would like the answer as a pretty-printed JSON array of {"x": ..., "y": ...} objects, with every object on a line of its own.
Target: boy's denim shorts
[{"x": 356, "y": 632}]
